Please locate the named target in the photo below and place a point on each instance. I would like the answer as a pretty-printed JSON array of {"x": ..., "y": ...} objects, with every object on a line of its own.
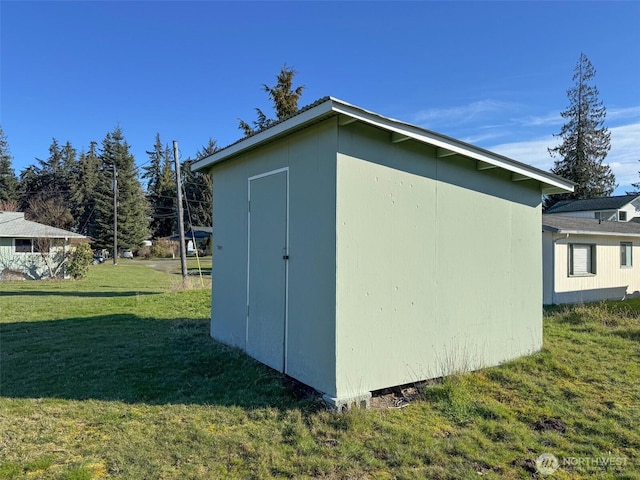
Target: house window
[
  {"x": 23, "y": 245},
  {"x": 31, "y": 245},
  {"x": 626, "y": 259},
  {"x": 582, "y": 259},
  {"x": 622, "y": 216}
]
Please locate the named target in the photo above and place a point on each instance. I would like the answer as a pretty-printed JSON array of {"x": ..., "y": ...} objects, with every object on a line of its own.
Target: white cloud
[
  {"x": 623, "y": 113},
  {"x": 549, "y": 119},
  {"x": 554, "y": 118},
  {"x": 622, "y": 158},
  {"x": 462, "y": 113},
  {"x": 532, "y": 152}
]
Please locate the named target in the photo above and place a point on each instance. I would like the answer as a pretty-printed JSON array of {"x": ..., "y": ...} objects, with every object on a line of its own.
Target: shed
[{"x": 355, "y": 252}]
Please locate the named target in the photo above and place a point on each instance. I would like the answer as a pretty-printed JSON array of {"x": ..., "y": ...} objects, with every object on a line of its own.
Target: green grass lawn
[{"x": 116, "y": 377}]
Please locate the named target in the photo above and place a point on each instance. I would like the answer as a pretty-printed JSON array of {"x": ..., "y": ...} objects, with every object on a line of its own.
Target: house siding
[
  {"x": 438, "y": 264},
  {"x": 611, "y": 281},
  {"x": 32, "y": 265}
]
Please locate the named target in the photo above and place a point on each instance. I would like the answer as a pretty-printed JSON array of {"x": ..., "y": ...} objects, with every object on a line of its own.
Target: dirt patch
[
  {"x": 526, "y": 464},
  {"x": 396, "y": 397},
  {"x": 549, "y": 424}
]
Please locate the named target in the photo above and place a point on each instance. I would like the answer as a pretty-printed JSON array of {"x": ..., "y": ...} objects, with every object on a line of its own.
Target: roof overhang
[
  {"x": 400, "y": 131},
  {"x": 577, "y": 231}
]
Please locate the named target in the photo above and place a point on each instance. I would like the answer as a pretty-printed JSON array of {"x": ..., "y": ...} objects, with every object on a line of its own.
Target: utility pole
[
  {"x": 183, "y": 248},
  {"x": 115, "y": 215}
]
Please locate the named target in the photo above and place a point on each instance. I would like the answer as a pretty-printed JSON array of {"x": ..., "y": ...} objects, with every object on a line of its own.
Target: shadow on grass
[
  {"x": 135, "y": 360},
  {"x": 206, "y": 271},
  {"x": 61, "y": 293}
]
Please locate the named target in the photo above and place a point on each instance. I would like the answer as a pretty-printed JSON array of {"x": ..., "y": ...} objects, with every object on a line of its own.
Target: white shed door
[{"x": 267, "y": 268}]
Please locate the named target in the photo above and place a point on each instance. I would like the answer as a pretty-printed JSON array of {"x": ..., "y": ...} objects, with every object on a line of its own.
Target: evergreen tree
[
  {"x": 45, "y": 195},
  {"x": 8, "y": 179},
  {"x": 198, "y": 189},
  {"x": 132, "y": 218},
  {"x": 284, "y": 98},
  {"x": 82, "y": 190},
  {"x": 585, "y": 140},
  {"x": 52, "y": 177},
  {"x": 161, "y": 190}
]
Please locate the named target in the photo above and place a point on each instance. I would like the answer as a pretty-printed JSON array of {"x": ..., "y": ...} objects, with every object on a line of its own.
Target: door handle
[{"x": 285, "y": 257}]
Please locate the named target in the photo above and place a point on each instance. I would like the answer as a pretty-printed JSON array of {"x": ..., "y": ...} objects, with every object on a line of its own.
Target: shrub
[
  {"x": 144, "y": 252},
  {"x": 163, "y": 248},
  {"x": 79, "y": 262}
]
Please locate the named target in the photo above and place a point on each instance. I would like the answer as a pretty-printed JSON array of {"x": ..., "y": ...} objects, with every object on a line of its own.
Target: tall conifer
[
  {"x": 8, "y": 179},
  {"x": 585, "y": 140}
]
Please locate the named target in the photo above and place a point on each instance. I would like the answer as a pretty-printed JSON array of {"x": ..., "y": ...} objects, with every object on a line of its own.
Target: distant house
[
  {"x": 586, "y": 260},
  {"x": 30, "y": 249},
  {"x": 622, "y": 208},
  {"x": 355, "y": 252},
  {"x": 197, "y": 237}
]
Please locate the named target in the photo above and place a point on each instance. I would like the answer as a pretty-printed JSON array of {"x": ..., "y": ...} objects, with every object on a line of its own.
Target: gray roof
[
  {"x": 589, "y": 226},
  {"x": 14, "y": 225},
  {"x": 587, "y": 204},
  {"x": 400, "y": 131}
]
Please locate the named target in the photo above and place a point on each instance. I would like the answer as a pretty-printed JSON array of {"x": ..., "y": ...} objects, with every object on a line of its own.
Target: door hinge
[{"x": 285, "y": 257}]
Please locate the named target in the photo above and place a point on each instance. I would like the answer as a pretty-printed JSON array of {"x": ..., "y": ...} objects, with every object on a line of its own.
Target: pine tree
[
  {"x": 161, "y": 190},
  {"x": 284, "y": 98},
  {"x": 8, "y": 179},
  {"x": 198, "y": 189},
  {"x": 52, "y": 177},
  {"x": 585, "y": 140},
  {"x": 82, "y": 190},
  {"x": 45, "y": 188},
  {"x": 132, "y": 219}
]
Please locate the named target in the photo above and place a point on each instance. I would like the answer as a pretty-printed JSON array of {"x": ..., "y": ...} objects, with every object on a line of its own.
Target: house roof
[
  {"x": 399, "y": 131},
  {"x": 587, "y": 204},
  {"x": 588, "y": 226},
  {"x": 14, "y": 225}
]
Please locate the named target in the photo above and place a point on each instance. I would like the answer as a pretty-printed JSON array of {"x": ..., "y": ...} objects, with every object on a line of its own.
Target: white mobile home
[
  {"x": 586, "y": 260},
  {"x": 355, "y": 252}
]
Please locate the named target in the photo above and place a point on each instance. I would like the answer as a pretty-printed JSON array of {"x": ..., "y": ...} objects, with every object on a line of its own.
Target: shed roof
[
  {"x": 399, "y": 131},
  {"x": 588, "y": 226},
  {"x": 587, "y": 204},
  {"x": 14, "y": 225}
]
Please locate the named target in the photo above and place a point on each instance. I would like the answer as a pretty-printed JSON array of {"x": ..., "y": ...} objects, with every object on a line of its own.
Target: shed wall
[
  {"x": 310, "y": 157},
  {"x": 611, "y": 281},
  {"x": 438, "y": 264}
]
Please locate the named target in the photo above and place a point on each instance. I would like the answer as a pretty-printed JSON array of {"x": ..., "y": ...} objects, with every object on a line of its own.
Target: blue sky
[{"x": 494, "y": 74}]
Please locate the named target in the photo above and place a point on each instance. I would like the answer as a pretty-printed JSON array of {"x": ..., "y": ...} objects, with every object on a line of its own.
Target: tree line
[{"x": 74, "y": 191}]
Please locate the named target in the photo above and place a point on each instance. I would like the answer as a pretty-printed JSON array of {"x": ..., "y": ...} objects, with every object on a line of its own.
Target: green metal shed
[{"x": 355, "y": 252}]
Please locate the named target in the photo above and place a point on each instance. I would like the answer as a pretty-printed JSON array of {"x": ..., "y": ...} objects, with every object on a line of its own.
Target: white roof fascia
[
  {"x": 296, "y": 121},
  {"x": 587, "y": 232},
  {"x": 551, "y": 183},
  {"x": 554, "y": 184}
]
